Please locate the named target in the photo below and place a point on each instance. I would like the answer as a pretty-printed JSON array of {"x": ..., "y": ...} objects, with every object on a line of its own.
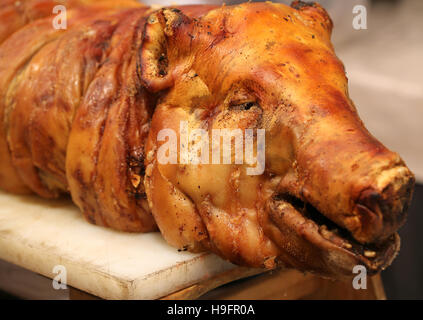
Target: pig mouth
[{"x": 335, "y": 246}]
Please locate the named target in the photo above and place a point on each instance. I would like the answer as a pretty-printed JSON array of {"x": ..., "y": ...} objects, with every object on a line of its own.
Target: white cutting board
[{"x": 39, "y": 234}]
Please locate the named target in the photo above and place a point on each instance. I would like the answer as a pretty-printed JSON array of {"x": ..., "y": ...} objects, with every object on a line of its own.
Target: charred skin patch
[{"x": 302, "y": 4}]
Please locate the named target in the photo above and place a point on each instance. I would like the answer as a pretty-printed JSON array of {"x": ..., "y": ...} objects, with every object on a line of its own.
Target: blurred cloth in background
[{"x": 384, "y": 65}]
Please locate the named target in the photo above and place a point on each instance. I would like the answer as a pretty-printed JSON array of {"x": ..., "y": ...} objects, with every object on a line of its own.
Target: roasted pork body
[{"x": 103, "y": 109}]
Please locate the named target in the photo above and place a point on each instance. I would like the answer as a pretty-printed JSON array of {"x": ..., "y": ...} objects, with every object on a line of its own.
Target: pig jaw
[{"x": 318, "y": 243}]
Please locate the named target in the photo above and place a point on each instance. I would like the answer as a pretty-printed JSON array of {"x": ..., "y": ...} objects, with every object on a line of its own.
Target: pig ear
[{"x": 154, "y": 63}]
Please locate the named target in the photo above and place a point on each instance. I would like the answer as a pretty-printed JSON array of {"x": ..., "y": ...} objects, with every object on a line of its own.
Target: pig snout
[
  {"x": 355, "y": 181},
  {"x": 382, "y": 207}
]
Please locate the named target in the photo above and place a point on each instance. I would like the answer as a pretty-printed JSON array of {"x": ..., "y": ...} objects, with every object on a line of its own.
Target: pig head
[{"x": 329, "y": 195}]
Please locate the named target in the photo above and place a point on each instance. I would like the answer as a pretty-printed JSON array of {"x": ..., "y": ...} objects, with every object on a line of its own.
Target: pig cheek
[{"x": 235, "y": 234}]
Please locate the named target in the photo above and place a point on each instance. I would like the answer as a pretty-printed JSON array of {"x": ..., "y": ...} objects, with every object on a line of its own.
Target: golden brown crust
[
  {"x": 27, "y": 26},
  {"x": 105, "y": 150}
]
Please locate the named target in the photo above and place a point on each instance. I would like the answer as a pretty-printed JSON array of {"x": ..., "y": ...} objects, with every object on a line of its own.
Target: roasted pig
[{"x": 88, "y": 111}]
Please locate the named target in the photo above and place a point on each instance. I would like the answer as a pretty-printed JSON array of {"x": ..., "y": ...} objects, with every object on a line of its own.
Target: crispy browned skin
[{"x": 81, "y": 110}]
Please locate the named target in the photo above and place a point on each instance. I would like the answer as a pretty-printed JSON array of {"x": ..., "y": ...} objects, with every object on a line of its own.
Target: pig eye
[{"x": 244, "y": 106}]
